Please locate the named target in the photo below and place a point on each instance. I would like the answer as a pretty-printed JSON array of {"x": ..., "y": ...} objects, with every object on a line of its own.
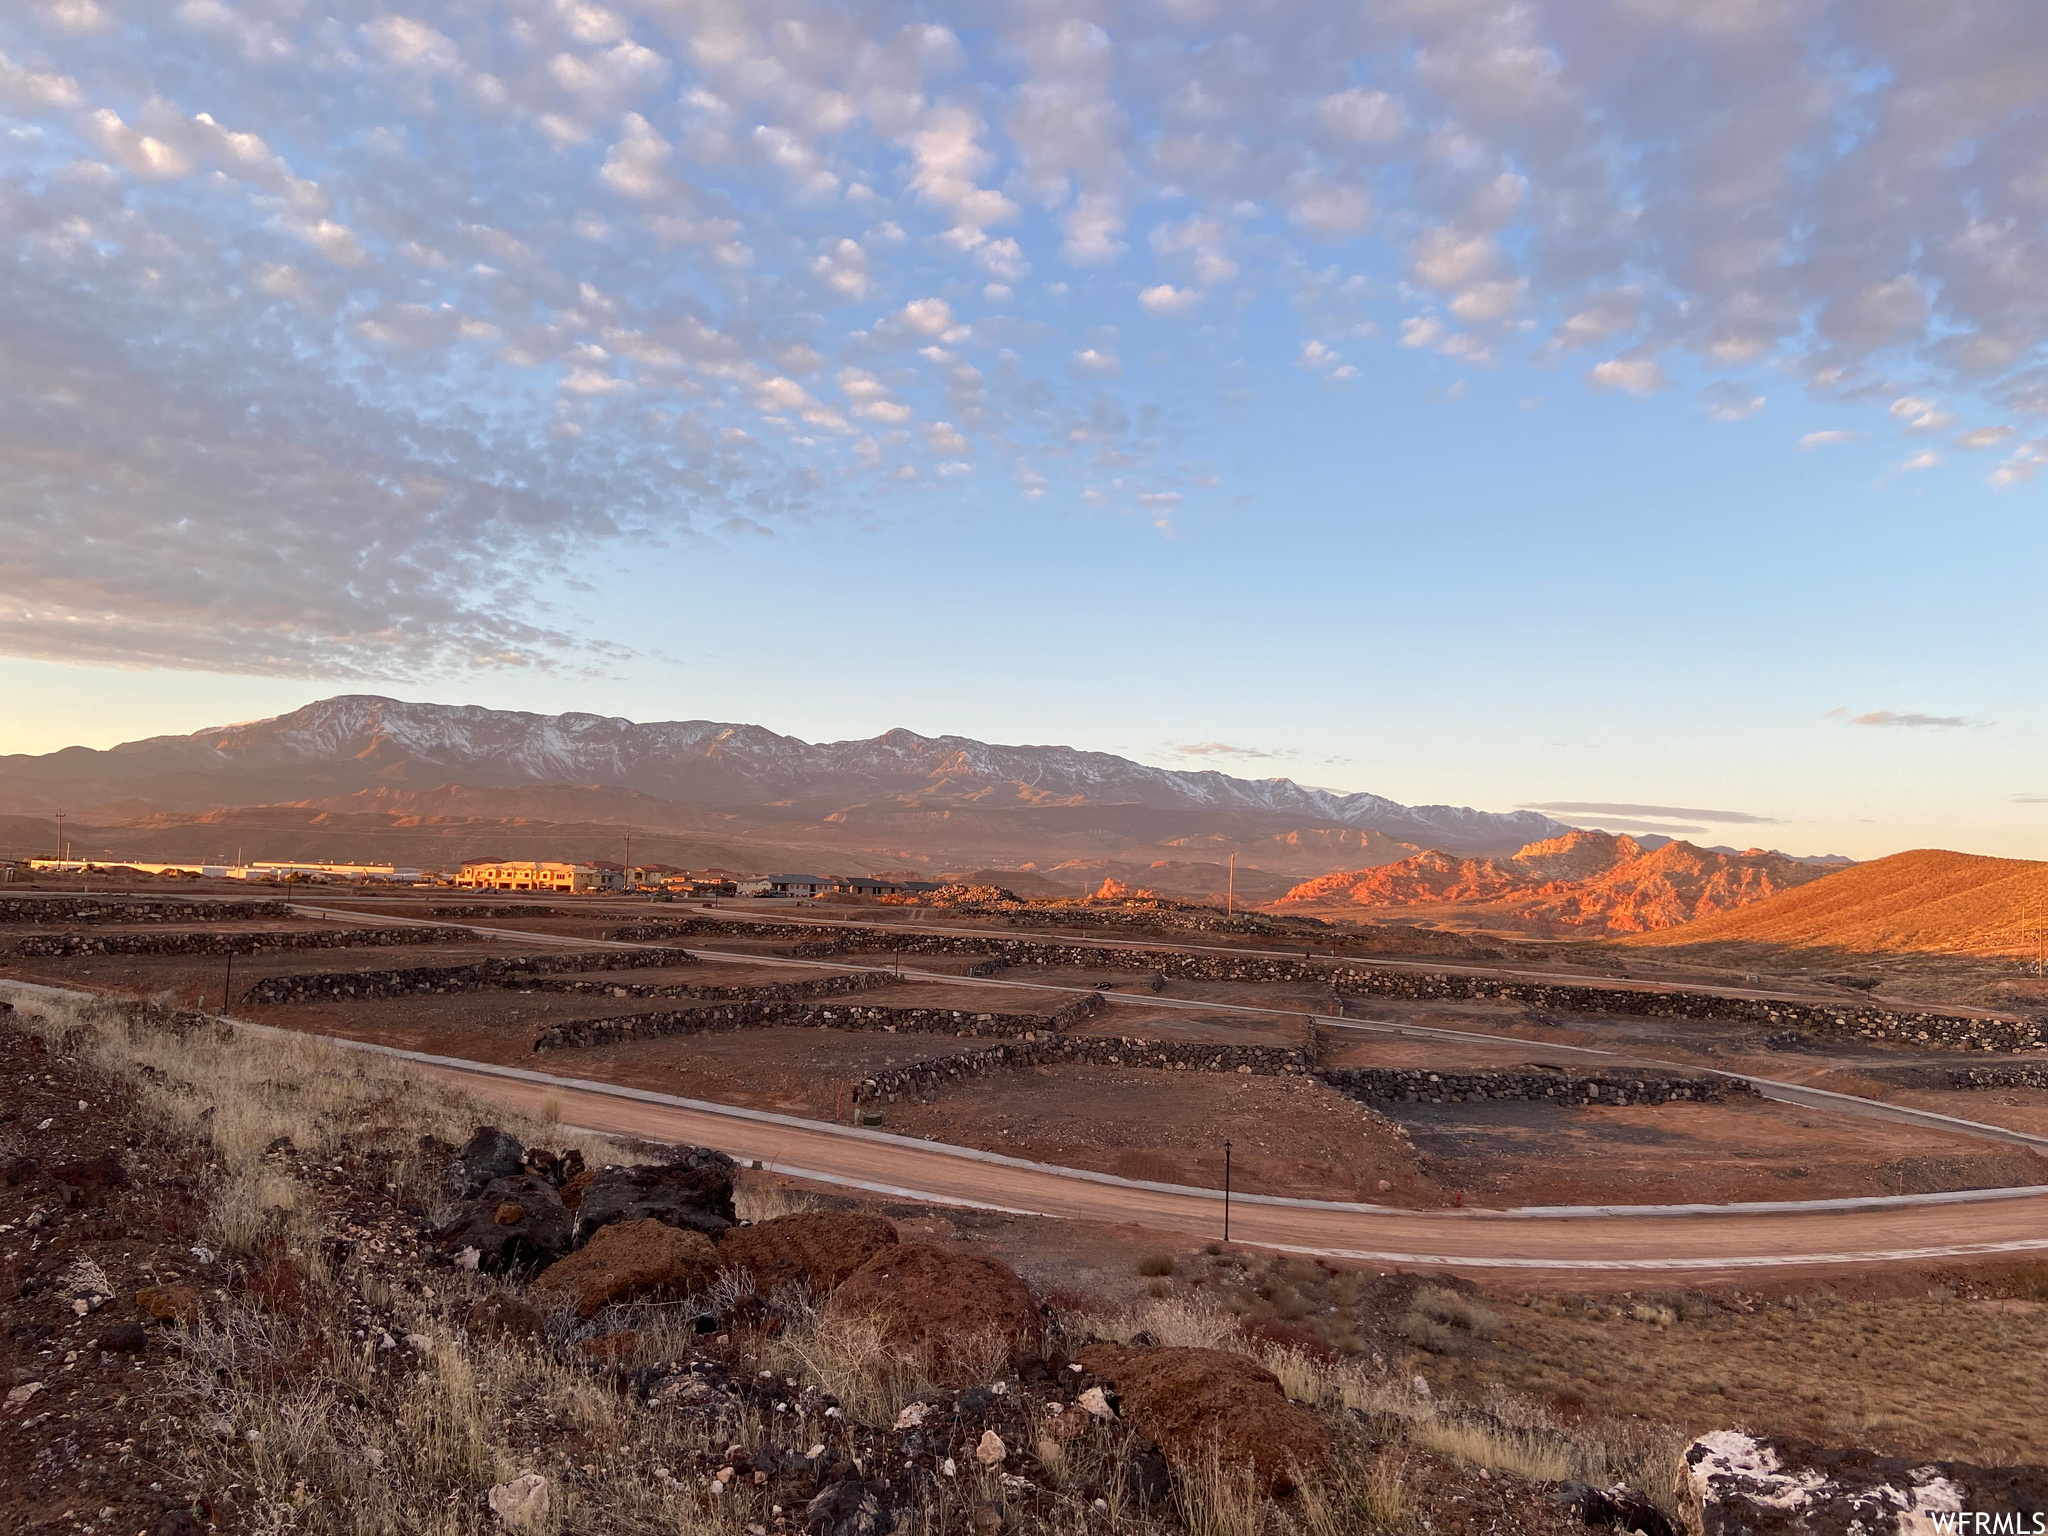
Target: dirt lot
[{"x": 1288, "y": 1136}]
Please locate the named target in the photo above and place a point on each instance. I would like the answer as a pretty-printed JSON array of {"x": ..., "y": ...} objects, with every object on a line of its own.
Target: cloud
[
  {"x": 1166, "y": 300},
  {"x": 1729, "y": 402},
  {"x": 1982, "y": 437},
  {"x": 1909, "y": 718},
  {"x": 551, "y": 262},
  {"x": 1688, "y": 813},
  {"x": 1224, "y": 749},
  {"x": 1926, "y": 458},
  {"x": 1632, "y": 375}
]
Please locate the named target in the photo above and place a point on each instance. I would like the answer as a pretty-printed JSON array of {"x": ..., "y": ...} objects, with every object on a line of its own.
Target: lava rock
[
  {"x": 850, "y": 1508},
  {"x": 20, "y": 1170},
  {"x": 644, "y": 1260},
  {"x": 489, "y": 1154},
  {"x": 1745, "y": 1485},
  {"x": 533, "y": 1240},
  {"x": 1613, "y": 1508},
  {"x": 125, "y": 1339},
  {"x": 1193, "y": 1400},
  {"x": 692, "y": 1191},
  {"x": 812, "y": 1249}
]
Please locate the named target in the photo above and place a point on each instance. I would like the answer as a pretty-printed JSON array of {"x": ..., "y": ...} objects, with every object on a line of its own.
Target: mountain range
[{"x": 896, "y": 800}]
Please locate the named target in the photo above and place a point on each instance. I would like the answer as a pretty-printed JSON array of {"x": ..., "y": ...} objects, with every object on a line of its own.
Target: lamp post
[
  {"x": 227, "y": 986},
  {"x": 1226, "y": 1191}
]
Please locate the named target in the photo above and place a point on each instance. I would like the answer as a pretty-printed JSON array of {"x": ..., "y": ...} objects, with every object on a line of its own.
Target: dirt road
[{"x": 1694, "y": 1242}]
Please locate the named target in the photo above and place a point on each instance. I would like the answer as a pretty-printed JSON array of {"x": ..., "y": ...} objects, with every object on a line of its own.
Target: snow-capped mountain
[{"x": 360, "y": 741}]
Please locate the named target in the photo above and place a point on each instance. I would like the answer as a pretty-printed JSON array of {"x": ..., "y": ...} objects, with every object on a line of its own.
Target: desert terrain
[{"x": 1049, "y": 1090}]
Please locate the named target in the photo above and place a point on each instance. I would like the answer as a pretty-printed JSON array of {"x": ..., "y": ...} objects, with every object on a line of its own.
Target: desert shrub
[
  {"x": 1442, "y": 1322},
  {"x": 1156, "y": 1264}
]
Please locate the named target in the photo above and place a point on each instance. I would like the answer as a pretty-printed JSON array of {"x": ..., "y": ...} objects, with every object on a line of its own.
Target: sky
[{"x": 1630, "y": 408}]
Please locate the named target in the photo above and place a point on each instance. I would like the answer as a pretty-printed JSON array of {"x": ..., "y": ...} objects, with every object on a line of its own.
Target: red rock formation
[{"x": 1580, "y": 880}]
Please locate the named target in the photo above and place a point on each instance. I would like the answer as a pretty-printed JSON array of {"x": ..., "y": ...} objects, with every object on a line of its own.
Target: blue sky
[{"x": 1617, "y": 403}]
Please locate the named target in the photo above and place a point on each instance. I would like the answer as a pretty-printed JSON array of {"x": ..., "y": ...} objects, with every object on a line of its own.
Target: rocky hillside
[
  {"x": 1924, "y": 899},
  {"x": 1580, "y": 880}
]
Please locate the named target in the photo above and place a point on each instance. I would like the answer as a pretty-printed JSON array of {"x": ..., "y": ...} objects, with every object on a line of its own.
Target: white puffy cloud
[
  {"x": 1092, "y": 362},
  {"x": 1167, "y": 300},
  {"x": 1631, "y": 375},
  {"x": 1828, "y": 439},
  {"x": 1921, "y": 414},
  {"x": 29, "y": 91}
]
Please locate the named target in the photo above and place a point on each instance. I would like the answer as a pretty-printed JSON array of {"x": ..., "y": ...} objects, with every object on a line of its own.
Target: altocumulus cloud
[{"x": 326, "y": 337}]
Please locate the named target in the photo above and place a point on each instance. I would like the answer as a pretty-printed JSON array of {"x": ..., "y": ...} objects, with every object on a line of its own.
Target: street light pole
[{"x": 1230, "y": 897}]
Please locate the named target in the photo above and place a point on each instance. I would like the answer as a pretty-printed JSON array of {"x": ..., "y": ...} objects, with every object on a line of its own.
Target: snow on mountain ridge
[{"x": 706, "y": 761}]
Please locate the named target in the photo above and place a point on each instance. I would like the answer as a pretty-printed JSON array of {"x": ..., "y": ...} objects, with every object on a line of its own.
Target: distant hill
[
  {"x": 1926, "y": 899},
  {"x": 1585, "y": 881}
]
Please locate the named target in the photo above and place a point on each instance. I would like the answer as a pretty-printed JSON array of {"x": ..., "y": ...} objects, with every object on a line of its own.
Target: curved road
[{"x": 1698, "y": 1242}]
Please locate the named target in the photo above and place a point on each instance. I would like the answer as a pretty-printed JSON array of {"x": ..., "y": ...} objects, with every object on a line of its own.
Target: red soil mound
[{"x": 1926, "y": 899}]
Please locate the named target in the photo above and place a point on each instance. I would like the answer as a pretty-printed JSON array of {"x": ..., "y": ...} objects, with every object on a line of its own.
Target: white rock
[
  {"x": 912, "y": 1416},
  {"x": 950, "y": 1467},
  {"x": 1421, "y": 1387},
  {"x": 521, "y": 1504},
  {"x": 419, "y": 1343},
  {"x": 991, "y": 1451},
  {"x": 1095, "y": 1402},
  {"x": 467, "y": 1259},
  {"x": 23, "y": 1393}
]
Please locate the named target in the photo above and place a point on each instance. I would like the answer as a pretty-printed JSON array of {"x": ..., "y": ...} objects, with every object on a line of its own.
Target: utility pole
[
  {"x": 1226, "y": 1191},
  {"x": 626, "y": 869},
  {"x": 1230, "y": 900},
  {"x": 60, "y": 834},
  {"x": 227, "y": 986}
]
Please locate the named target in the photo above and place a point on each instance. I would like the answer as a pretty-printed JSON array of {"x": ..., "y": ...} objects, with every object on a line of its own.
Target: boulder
[
  {"x": 1738, "y": 1484},
  {"x": 168, "y": 1303},
  {"x": 955, "y": 1314},
  {"x": 812, "y": 1249},
  {"x": 692, "y": 1190},
  {"x": 86, "y": 1183},
  {"x": 489, "y": 1154},
  {"x": 645, "y": 1260},
  {"x": 514, "y": 1223},
  {"x": 850, "y": 1507},
  {"x": 1194, "y": 1400}
]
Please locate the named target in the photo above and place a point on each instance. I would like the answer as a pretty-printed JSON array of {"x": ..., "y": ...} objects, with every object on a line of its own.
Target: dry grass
[{"x": 1932, "y": 1377}]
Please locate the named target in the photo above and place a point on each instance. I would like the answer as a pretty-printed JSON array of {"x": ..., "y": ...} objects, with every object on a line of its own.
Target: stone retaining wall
[
  {"x": 240, "y": 943},
  {"x": 1999, "y": 1077},
  {"x": 504, "y": 911},
  {"x": 508, "y": 971},
  {"x": 795, "y": 1015},
  {"x": 1852, "y": 1021},
  {"x": 822, "y": 986},
  {"x": 924, "y": 1078},
  {"x": 1398, "y": 1085},
  {"x": 94, "y": 909}
]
